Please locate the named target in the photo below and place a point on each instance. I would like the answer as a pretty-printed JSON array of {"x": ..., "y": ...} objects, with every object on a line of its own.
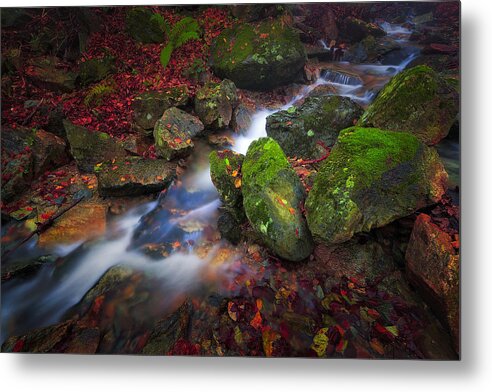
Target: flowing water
[{"x": 184, "y": 215}]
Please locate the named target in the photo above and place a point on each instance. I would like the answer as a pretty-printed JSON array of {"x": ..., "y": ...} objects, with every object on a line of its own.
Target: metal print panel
[{"x": 276, "y": 180}]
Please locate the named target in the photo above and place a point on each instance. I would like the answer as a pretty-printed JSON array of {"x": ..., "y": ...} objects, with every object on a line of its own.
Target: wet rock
[
  {"x": 173, "y": 133},
  {"x": 83, "y": 340},
  {"x": 241, "y": 119},
  {"x": 86, "y": 220},
  {"x": 355, "y": 30},
  {"x": 254, "y": 12},
  {"x": 318, "y": 119},
  {"x": 272, "y": 195},
  {"x": 418, "y": 101},
  {"x": 259, "y": 56},
  {"x": 142, "y": 26},
  {"x": 423, "y": 18},
  {"x": 136, "y": 144},
  {"x": 229, "y": 227},
  {"x": 225, "y": 172},
  {"x": 215, "y": 102},
  {"x": 91, "y": 147},
  {"x": 134, "y": 176},
  {"x": 25, "y": 269},
  {"x": 316, "y": 21},
  {"x": 371, "y": 178},
  {"x": 370, "y": 50},
  {"x": 168, "y": 331},
  {"x": 95, "y": 70},
  {"x": 49, "y": 73},
  {"x": 439, "y": 62},
  {"x": 17, "y": 175},
  {"x": 432, "y": 265},
  {"x": 148, "y": 107}
]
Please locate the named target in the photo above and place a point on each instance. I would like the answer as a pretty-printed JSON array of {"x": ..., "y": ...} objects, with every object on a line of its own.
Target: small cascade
[{"x": 341, "y": 78}]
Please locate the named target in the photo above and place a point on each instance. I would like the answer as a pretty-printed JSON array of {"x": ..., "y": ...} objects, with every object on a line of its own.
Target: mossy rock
[
  {"x": 370, "y": 49},
  {"x": 418, "y": 101},
  {"x": 134, "y": 176},
  {"x": 215, "y": 103},
  {"x": 318, "y": 119},
  {"x": 272, "y": 196},
  {"x": 225, "y": 172},
  {"x": 91, "y": 147},
  {"x": 48, "y": 72},
  {"x": 143, "y": 27},
  {"x": 355, "y": 30},
  {"x": 259, "y": 56},
  {"x": 173, "y": 133},
  {"x": 148, "y": 107},
  {"x": 371, "y": 178},
  {"x": 95, "y": 70}
]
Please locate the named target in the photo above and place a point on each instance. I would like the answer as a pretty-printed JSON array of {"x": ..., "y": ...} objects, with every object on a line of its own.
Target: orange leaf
[
  {"x": 122, "y": 179},
  {"x": 237, "y": 183},
  {"x": 292, "y": 211},
  {"x": 176, "y": 244},
  {"x": 178, "y": 140},
  {"x": 256, "y": 322},
  {"x": 377, "y": 346}
]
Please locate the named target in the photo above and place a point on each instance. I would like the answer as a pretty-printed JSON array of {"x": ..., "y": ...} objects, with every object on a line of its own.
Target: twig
[
  {"x": 311, "y": 161},
  {"x": 42, "y": 226},
  {"x": 26, "y": 120}
]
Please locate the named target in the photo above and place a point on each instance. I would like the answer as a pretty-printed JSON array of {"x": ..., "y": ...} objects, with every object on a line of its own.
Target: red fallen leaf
[
  {"x": 256, "y": 321},
  {"x": 19, "y": 345},
  {"x": 28, "y": 208},
  {"x": 297, "y": 232},
  {"x": 292, "y": 211},
  {"x": 288, "y": 123},
  {"x": 178, "y": 140},
  {"x": 264, "y": 35},
  {"x": 46, "y": 215}
]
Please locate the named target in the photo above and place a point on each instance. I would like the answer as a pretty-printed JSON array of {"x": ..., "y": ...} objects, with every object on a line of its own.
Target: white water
[{"x": 44, "y": 299}]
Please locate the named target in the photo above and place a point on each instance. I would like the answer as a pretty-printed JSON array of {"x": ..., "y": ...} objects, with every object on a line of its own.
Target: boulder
[
  {"x": 148, "y": 107},
  {"x": 215, "y": 103},
  {"x": 432, "y": 265},
  {"x": 225, "y": 172},
  {"x": 229, "y": 227},
  {"x": 259, "y": 56},
  {"x": 418, "y": 101},
  {"x": 91, "y": 147},
  {"x": 272, "y": 199},
  {"x": 318, "y": 119},
  {"x": 143, "y": 26},
  {"x": 173, "y": 133},
  {"x": 48, "y": 72},
  {"x": 370, "y": 50},
  {"x": 95, "y": 70},
  {"x": 241, "y": 119},
  {"x": 355, "y": 30},
  {"x": 371, "y": 178},
  {"x": 134, "y": 176}
]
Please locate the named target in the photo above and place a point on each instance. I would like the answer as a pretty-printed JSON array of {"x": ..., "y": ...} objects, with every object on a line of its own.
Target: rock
[
  {"x": 149, "y": 106},
  {"x": 418, "y": 101},
  {"x": 254, "y": 12},
  {"x": 432, "y": 265},
  {"x": 134, "y": 176},
  {"x": 318, "y": 119},
  {"x": 17, "y": 175},
  {"x": 259, "y": 56},
  {"x": 229, "y": 227},
  {"x": 215, "y": 102},
  {"x": 371, "y": 178},
  {"x": 370, "y": 50},
  {"x": 136, "y": 144},
  {"x": 91, "y": 147},
  {"x": 355, "y": 30},
  {"x": 443, "y": 63},
  {"x": 316, "y": 21},
  {"x": 25, "y": 269},
  {"x": 142, "y": 26},
  {"x": 168, "y": 331},
  {"x": 49, "y": 73},
  {"x": 241, "y": 119},
  {"x": 423, "y": 18},
  {"x": 225, "y": 172},
  {"x": 173, "y": 133},
  {"x": 273, "y": 194},
  {"x": 84, "y": 221},
  {"x": 95, "y": 70}
]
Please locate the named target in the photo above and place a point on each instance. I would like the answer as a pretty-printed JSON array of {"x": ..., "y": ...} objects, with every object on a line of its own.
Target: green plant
[
  {"x": 196, "y": 68},
  {"x": 183, "y": 31},
  {"x": 97, "y": 93}
]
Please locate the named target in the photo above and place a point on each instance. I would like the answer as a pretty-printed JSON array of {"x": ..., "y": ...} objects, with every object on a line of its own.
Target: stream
[{"x": 186, "y": 215}]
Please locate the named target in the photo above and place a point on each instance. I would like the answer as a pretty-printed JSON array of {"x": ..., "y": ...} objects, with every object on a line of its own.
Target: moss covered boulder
[
  {"x": 355, "y": 30},
  {"x": 90, "y": 147},
  {"x": 173, "y": 133},
  {"x": 148, "y": 107},
  {"x": 259, "y": 56},
  {"x": 225, "y": 172},
  {"x": 318, "y": 119},
  {"x": 371, "y": 178},
  {"x": 143, "y": 26},
  {"x": 272, "y": 199},
  {"x": 95, "y": 70},
  {"x": 134, "y": 176},
  {"x": 48, "y": 72},
  {"x": 215, "y": 103},
  {"x": 418, "y": 101}
]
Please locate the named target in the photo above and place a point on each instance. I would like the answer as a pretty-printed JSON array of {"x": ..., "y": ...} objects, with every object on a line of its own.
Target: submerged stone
[
  {"x": 418, "y": 101},
  {"x": 259, "y": 56},
  {"x": 371, "y": 178},
  {"x": 273, "y": 195},
  {"x": 319, "y": 119}
]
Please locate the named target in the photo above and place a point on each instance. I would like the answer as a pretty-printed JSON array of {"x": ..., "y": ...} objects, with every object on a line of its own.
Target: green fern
[
  {"x": 97, "y": 93},
  {"x": 183, "y": 31}
]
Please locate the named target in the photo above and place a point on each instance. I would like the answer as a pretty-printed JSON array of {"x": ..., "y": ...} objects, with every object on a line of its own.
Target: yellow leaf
[
  {"x": 122, "y": 179},
  {"x": 232, "y": 314},
  {"x": 234, "y": 173},
  {"x": 269, "y": 337},
  {"x": 237, "y": 183},
  {"x": 320, "y": 341}
]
